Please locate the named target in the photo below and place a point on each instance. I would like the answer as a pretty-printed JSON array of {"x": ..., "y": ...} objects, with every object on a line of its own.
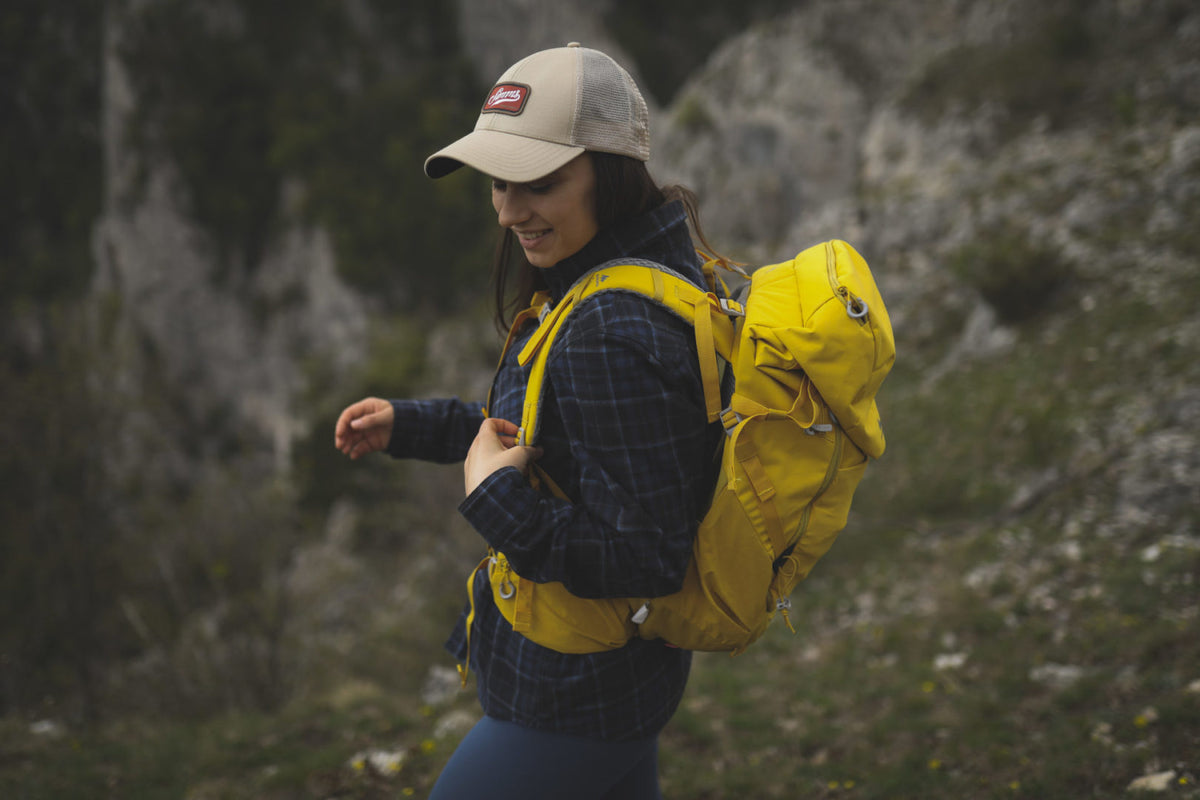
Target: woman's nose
[{"x": 510, "y": 208}]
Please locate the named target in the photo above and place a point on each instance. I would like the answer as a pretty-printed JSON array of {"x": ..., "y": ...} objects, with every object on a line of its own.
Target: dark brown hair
[{"x": 624, "y": 189}]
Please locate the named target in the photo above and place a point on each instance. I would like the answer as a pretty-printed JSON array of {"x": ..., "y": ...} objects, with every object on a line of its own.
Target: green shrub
[
  {"x": 1016, "y": 275},
  {"x": 1044, "y": 71},
  {"x": 692, "y": 115}
]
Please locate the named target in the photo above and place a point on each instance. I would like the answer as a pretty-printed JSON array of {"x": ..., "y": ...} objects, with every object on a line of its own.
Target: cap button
[{"x": 573, "y": 44}]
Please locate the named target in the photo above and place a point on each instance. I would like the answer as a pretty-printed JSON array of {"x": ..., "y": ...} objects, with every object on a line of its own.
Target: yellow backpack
[{"x": 809, "y": 342}]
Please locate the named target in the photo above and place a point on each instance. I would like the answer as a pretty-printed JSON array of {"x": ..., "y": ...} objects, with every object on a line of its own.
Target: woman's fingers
[
  {"x": 364, "y": 427},
  {"x": 494, "y": 448}
]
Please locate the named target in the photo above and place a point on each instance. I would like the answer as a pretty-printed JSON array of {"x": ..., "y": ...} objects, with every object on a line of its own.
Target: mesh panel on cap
[{"x": 612, "y": 115}]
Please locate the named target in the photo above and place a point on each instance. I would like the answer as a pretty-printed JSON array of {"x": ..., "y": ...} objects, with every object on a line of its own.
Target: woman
[{"x": 564, "y": 136}]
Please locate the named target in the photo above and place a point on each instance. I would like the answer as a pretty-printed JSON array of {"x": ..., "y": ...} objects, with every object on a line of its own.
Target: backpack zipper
[
  {"x": 856, "y": 308},
  {"x": 784, "y": 604}
]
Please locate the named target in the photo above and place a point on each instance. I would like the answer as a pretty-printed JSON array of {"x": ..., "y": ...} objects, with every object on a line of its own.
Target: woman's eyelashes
[{"x": 540, "y": 187}]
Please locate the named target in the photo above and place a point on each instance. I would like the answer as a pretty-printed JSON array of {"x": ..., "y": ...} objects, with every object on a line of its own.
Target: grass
[
  {"x": 861, "y": 705},
  {"x": 306, "y": 750}
]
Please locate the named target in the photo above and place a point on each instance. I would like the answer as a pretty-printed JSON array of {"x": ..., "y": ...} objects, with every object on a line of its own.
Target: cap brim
[{"x": 506, "y": 156}]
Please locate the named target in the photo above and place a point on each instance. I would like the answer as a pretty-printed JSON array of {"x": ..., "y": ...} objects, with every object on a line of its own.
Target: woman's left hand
[{"x": 495, "y": 448}]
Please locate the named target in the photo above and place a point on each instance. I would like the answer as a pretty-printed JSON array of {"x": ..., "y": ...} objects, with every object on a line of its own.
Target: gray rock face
[
  {"x": 806, "y": 130},
  {"x": 770, "y": 143},
  {"x": 234, "y": 343}
]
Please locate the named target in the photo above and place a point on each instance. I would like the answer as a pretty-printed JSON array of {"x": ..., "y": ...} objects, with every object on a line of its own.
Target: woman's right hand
[
  {"x": 364, "y": 427},
  {"x": 494, "y": 448}
]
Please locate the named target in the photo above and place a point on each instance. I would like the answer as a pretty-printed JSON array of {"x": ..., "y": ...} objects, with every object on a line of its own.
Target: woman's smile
[
  {"x": 530, "y": 239},
  {"x": 554, "y": 216}
]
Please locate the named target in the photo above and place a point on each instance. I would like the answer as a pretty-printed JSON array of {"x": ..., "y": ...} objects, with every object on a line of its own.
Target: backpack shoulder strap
[{"x": 704, "y": 311}]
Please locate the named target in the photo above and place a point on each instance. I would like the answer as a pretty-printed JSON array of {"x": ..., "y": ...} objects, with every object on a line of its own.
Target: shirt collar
[{"x": 660, "y": 235}]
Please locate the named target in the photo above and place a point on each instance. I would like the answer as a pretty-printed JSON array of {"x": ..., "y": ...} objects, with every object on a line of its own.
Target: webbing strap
[
  {"x": 537, "y": 305},
  {"x": 745, "y": 407},
  {"x": 659, "y": 290},
  {"x": 764, "y": 492},
  {"x": 523, "y": 611},
  {"x": 548, "y": 327},
  {"x": 710, "y": 376},
  {"x": 465, "y": 667}
]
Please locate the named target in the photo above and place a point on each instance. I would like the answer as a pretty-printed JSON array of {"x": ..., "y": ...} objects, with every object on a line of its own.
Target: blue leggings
[{"x": 504, "y": 761}]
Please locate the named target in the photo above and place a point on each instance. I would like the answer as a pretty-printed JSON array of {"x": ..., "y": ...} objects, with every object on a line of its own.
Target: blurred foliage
[
  {"x": 135, "y": 564},
  {"x": 1017, "y": 276},
  {"x": 1046, "y": 70},
  {"x": 670, "y": 40},
  {"x": 393, "y": 369},
  {"x": 58, "y": 554},
  {"x": 50, "y": 141},
  {"x": 263, "y": 104}
]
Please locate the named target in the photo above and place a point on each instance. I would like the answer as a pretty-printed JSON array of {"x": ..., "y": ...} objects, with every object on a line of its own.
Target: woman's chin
[{"x": 538, "y": 259}]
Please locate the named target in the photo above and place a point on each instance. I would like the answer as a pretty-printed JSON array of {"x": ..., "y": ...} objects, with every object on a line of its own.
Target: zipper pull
[
  {"x": 783, "y": 605},
  {"x": 856, "y": 307}
]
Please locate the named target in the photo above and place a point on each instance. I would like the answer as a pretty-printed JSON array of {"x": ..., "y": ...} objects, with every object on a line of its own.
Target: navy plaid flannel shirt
[{"x": 626, "y": 437}]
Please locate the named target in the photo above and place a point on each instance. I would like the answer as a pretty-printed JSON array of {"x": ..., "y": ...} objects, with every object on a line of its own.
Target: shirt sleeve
[
  {"x": 440, "y": 430},
  {"x": 631, "y": 407}
]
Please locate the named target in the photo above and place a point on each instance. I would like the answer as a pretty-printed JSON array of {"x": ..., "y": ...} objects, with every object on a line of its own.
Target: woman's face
[{"x": 554, "y": 216}]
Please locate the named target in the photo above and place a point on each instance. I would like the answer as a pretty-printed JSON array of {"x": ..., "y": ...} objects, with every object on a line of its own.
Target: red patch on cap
[{"x": 507, "y": 98}]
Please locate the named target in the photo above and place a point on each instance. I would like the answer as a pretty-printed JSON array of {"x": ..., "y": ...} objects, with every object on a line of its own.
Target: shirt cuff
[{"x": 500, "y": 507}]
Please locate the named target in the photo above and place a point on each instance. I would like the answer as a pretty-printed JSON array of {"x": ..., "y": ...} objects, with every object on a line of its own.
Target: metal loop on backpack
[
  {"x": 732, "y": 307},
  {"x": 507, "y": 590},
  {"x": 856, "y": 307}
]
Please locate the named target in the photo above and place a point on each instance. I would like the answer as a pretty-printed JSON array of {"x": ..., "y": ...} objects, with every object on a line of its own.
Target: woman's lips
[{"x": 531, "y": 239}]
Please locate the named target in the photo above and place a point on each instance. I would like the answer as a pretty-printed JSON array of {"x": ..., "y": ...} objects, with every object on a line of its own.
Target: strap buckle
[
  {"x": 732, "y": 307},
  {"x": 730, "y": 420}
]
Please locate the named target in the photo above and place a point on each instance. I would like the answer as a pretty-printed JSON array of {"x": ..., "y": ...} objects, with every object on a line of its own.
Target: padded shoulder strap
[{"x": 702, "y": 310}]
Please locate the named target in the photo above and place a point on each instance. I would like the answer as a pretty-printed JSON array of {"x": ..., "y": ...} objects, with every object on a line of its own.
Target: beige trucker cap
[{"x": 544, "y": 111}]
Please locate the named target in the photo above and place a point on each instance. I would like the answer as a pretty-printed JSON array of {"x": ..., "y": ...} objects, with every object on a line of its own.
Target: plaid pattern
[{"x": 623, "y": 430}]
